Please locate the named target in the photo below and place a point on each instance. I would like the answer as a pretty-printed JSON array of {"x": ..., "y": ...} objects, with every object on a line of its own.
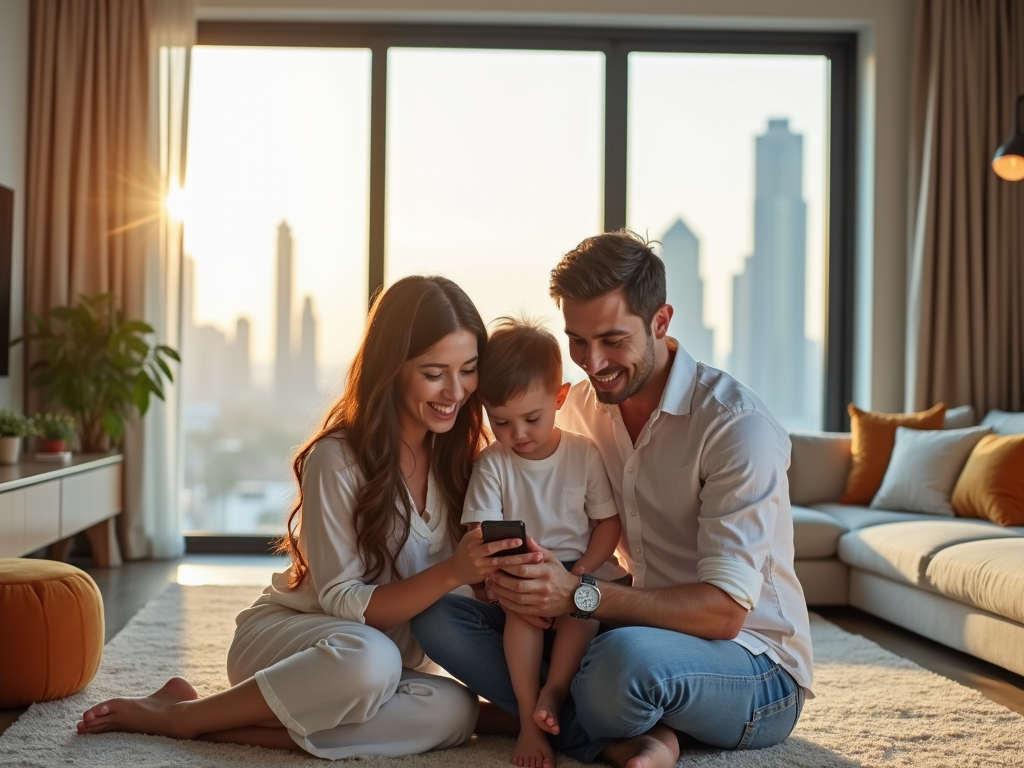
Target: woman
[{"x": 324, "y": 660}]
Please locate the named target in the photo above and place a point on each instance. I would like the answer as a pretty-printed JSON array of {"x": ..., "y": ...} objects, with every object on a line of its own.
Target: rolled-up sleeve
[
  {"x": 744, "y": 464},
  {"x": 330, "y": 487}
]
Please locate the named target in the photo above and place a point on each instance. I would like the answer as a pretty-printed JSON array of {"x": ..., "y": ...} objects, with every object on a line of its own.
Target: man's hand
[{"x": 533, "y": 587}]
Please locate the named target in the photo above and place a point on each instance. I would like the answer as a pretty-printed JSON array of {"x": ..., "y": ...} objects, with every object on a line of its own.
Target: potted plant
[
  {"x": 13, "y": 427},
  {"x": 98, "y": 366},
  {"x": 54, "y": 430}
]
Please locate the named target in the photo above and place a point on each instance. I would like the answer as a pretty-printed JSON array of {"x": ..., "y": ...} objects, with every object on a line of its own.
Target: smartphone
[{"x": 496, "y": 530}]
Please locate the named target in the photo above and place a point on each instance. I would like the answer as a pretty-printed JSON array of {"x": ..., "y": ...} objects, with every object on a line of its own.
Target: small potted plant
[
  {"x": 13, "y": 427},
  {"x": 54, "y": 430}
]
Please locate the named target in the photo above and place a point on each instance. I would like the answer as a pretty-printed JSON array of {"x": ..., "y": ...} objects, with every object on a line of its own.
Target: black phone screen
[{"x": 496, "y": 530}]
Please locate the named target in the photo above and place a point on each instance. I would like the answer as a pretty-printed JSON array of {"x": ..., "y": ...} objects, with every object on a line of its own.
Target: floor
[{"x": 125, "y": 590}]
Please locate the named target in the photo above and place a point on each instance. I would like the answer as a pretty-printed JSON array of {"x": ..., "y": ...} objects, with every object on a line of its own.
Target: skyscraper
[
  {"x": 240, "y": 356},
  {"x": 283, "y": 375},
  {"x": 769, "y": 341},
  {"x": 305, "y": 368},
  {"x": 680, "y": 250}
]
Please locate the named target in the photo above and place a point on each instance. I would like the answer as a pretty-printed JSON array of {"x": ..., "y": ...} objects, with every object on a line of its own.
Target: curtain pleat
[
  {"x": 966, "y": 298},
  {"x": 94, "y": 215}
]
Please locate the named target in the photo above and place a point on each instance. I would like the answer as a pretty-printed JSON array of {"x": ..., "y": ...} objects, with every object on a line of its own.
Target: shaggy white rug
[{"x": 873, "y": 708}]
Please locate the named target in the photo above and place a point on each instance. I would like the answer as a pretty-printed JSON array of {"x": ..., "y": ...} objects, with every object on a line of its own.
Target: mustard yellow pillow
[
  {"x": 991, "y": 485},
  {"x": 874, "y": 435}
]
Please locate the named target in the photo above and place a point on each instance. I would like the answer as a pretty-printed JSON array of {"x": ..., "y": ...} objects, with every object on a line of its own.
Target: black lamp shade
[{"x": 1008, "y": 162}]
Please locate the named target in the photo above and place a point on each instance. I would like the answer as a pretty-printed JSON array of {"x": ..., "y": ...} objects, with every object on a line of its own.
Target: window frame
[{"x": 616, "y": 43}]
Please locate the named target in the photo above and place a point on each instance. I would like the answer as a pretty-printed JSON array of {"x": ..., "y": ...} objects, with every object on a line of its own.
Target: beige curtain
[
  {"x": 95, "y": 217},
  {"x": 966, "y": 310}
]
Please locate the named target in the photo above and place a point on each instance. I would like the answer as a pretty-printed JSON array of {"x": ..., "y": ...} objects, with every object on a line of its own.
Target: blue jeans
[{"x": 712, "y": 691}]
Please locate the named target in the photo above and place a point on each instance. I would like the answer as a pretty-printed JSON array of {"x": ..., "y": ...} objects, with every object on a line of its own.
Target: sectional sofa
[{"x": 957, "y": 581}]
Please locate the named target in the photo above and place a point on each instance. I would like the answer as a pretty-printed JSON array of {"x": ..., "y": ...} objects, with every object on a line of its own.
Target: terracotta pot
[
  {"x": 52, "y": 446},
  {"x": 10, "y": 449}
]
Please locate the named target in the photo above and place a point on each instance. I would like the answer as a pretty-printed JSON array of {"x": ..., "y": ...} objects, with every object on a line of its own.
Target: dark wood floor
[{"x": 125, "y": 590}]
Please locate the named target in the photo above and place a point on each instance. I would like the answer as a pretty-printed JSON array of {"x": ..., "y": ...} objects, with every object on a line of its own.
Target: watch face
[{"x": 586, "y": 598}]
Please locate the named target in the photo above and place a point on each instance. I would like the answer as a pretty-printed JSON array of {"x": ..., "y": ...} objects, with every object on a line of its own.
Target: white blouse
[{"x": 336, "y": 583}]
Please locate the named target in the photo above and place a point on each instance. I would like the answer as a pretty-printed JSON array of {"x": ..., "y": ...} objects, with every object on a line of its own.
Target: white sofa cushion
[
  {"x": 815, "y": 534},
  {"x": 985, "y": 574},
  {"x": 903, "y": 551},
  {"x": 853, "y": 516},
  {"x": 1004, "y": 423},
  {"x": 924, "y": 467},
  {"x": 818, "y": 466}
]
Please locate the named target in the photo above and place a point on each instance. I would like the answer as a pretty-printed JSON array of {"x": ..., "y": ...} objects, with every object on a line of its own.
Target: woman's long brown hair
[{"x": 405, "y": 321}]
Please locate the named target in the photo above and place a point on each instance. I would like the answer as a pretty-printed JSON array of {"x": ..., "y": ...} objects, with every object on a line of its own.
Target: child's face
[{"x": 526, "y": 423}]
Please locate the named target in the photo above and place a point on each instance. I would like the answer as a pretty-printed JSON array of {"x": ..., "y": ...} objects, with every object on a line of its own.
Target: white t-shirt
[
  {"x": 556, "y": 497},
  {"x": 704, "y": 497},
  {"x": 336, "y": 583}
]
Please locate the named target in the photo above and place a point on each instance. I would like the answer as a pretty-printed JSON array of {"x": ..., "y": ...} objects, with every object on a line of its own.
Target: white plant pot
[{"x": 10, "y": 449}]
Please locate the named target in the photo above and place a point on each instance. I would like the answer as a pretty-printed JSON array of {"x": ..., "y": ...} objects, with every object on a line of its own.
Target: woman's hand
[
  {"x": 534, "y": 584},
  {"x": 471, "y": 562}
]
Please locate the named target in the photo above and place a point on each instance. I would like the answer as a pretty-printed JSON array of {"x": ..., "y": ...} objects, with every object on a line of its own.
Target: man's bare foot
[
  {"x": 549, "y": 704},
  {"x": 658, "y": 748},
  {"x": 532, "y": 749},
  {"x": 151, "y": 714}
]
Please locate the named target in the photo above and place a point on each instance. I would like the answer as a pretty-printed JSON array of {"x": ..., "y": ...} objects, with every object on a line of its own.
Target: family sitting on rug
[{"x": 709, "y": 643}]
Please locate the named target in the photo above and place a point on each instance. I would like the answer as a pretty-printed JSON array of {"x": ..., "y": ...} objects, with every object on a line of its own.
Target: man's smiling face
[{"x": 614, "y": 346}]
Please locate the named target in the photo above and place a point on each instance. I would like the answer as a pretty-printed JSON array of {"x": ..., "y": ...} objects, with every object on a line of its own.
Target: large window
[{"x": 328, "y": 160}]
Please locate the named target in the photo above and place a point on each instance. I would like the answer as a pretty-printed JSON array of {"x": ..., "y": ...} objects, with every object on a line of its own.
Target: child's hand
[
  {"x": 579, "y": 569},
  {"x": 471, "y": 561}
]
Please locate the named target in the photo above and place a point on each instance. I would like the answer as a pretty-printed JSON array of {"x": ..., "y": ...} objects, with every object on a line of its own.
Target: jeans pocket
[{"x": 771, "y": 724}]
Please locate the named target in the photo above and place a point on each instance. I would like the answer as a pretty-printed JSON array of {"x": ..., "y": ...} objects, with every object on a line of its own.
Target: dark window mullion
[
  {"x": 840, "y": 281},
  {"x": 616, "y": 105},
  {"x": 378, "y": 159}
]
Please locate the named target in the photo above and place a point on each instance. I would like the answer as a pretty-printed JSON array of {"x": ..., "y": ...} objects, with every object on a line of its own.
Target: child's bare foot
[
  {"x": 658, "y": 748},
  {"x": 532, "y": 749},
  {"x": 549, "y": 704},
  {"x": 151, "y": 714}
]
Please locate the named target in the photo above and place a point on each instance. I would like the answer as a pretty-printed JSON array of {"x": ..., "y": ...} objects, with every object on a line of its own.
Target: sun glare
[{"x": 177, "y": 203}]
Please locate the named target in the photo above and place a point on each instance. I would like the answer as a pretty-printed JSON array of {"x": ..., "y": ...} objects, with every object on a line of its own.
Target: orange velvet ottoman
[{"x": 51, "y": 631}]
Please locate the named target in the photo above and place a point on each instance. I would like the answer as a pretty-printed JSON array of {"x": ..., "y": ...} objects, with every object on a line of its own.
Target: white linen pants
[{"x": 339, "y": 687}]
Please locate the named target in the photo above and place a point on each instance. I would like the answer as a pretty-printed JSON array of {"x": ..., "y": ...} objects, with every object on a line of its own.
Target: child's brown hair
[{"x": 520, "y": 354}]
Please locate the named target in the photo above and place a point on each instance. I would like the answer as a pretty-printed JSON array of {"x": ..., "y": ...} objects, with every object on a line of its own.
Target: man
[{"x": 712, "y": 640}]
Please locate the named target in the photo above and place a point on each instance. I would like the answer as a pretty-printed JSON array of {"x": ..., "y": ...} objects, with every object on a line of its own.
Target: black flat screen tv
[{"x": 6, "y": 249}]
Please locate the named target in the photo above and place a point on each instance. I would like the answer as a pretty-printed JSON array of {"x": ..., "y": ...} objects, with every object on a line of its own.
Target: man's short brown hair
[
  {"x": 520, "y": 354},
  {"x": 607, "y": 262}
]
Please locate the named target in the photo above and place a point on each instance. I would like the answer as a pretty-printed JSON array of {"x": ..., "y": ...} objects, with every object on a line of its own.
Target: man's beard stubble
[{"x": 635, "y": 380}]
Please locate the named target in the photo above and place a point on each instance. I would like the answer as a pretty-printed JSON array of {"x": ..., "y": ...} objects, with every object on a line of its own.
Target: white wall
[
  {"x": 885, "y": 31},
  {"x": 13, "y": 121}
]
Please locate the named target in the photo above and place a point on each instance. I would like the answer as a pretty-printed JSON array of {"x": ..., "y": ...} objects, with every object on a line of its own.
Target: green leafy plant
[
  {"x": 98, "y": 366},
  {"x": 13, "y": 424},
  {"x": 53, "y": 426}
]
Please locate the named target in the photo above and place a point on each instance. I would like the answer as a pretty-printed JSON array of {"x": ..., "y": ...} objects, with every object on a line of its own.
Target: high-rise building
[
  {"x": 240, "y": 356},
  {"x": 680, "y": 250},
  {"x": 769, "y": 344},
  {"x": 283, "y": 369},
  {"x": 305, "y": 368}
]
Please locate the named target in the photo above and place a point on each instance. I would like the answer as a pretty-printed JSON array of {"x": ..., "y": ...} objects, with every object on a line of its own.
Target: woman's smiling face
[{"x": 435, "y": 385}]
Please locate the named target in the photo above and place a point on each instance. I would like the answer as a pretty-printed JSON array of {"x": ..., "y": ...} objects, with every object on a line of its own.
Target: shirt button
[
  {"x": 632, "y": 512},
  {"x": 630, "y": 470},
  {"x": 637, "y": 550}
]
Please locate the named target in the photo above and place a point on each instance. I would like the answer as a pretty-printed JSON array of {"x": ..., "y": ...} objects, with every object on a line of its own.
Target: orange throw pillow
[
  {"x": 991, "y": 485},
  {"x": 874, "y": 435}
]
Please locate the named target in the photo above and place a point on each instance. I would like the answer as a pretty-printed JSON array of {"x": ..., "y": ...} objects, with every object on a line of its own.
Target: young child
[{"x": 555, "y": 481}]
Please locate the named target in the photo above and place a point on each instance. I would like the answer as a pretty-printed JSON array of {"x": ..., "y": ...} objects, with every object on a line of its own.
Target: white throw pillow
[
  {"x": 924, "y": 468},
  {"x": 960, "y": 417},
  {"x": 1004, "y": 423}
]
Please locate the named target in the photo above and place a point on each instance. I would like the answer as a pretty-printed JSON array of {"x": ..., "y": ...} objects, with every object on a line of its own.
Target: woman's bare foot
[
  {"x": 549, "y": 704},
  {"x": 153, "y": 714},
  {"x": 658, "y": 748},
  {"x": 532, "y": 749}
]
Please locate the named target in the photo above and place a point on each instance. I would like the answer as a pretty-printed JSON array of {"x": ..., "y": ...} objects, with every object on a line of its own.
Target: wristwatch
[{"x": 587, "y": 597}]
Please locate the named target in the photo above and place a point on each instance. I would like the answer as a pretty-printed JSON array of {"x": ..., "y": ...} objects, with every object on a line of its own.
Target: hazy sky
[{"x": 494, "y": 169}]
